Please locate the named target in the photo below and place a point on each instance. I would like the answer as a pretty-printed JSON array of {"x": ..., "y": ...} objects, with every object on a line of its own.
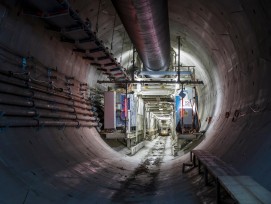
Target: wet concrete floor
[{"x": 143, "y": 185}]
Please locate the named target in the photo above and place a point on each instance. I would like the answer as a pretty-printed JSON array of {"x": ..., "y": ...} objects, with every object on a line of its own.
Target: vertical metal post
[
  {"x": 205, "y": 175},
  {"x": 179, "y": 55},
  {"x": 122, "y": 47},
  {"x": 179, "y": 65},
  {"x": 199, "y": 166},
  {"x": 194, "y": 74},
  {"x": 98, "y": 14},
  {"x": 144, "y": 121},
  {"x": 175, "y": 59},
  {"x": 129, "y": 118},
  {"x": 173, "y": 127},
  {"x": 113, "y": 32},
  {"x": 196, "y": 98},
  {"x": 217, "y": 191},
  {"x": 182, "y": 111},
  {"x": 194, "y": 160},
  {"x": 126, "y": 101},
  {"x": 133, "y": 69}
]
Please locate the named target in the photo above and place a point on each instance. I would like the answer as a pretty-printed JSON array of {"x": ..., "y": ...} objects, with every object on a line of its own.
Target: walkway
[{"x": 142, "y": 185}]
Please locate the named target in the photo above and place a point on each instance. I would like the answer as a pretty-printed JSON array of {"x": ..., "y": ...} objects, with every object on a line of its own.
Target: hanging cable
[
  {"x": 122, "y": 46},
  {"x": 129, "y": 57},
  {"x": 111, "y": 48},
  {"x": 98, "y": 14}
]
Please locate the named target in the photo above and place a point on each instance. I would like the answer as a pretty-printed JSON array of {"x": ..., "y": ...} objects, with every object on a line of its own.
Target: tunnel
[{"x": 46, "y": 73}]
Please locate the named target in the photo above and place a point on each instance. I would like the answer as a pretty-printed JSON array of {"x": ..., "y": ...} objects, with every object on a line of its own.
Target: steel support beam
[
  {"x": 161, "y": 73},
  {"x": 179, "y": 61},
  {"x": 152, "y": 82}
]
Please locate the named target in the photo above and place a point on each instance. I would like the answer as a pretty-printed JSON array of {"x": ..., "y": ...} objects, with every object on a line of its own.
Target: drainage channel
[{"x": 141, "y": 185}]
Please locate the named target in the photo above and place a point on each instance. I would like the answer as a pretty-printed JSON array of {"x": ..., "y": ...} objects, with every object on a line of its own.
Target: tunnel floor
[
  {"x": 148, "y": 182},
  {"x": 143, "y": 184}
]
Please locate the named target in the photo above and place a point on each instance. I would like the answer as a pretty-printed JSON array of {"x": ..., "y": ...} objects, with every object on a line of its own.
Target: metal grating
[{"x": 63, "y": 19}]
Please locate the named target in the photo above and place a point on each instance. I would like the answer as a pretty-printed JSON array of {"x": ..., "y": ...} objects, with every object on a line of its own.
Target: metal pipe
[
  {"x": 35, "y": 88},
  {"x": 44, "y": 114},
  {"x": 10, "y": 89},
  {"x": 161, "y": 73},
  {"x": 11, "y": 100},
  {"x": 17, "y": 112},
  {"x": 146, "y": 22},
  {"x": 4, "y": 88},
  {"x": 133, "y": 68},
  {"x": 175, "y": 58},
  {"x": 18, "y": 101},
  {"x": 44, "y": 123},
  {"x": 182, "y": 111},
  {"x": 36, "y": 111},
  {"x": 32, "y": 103},
  {"x": 28, "y": 84},
  {"x": 21, "y": 90},
  {"x": 152, "y": 82},
  {"x": 179, "y": 56},
  {"x": 126, "y": 106}
]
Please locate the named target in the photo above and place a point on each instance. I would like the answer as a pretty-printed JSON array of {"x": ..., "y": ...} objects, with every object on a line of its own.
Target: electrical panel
[
  {"x": 132, "y": 107},
  {"x": 119, "y": 109},
  {"x": 126, "y": 108}
]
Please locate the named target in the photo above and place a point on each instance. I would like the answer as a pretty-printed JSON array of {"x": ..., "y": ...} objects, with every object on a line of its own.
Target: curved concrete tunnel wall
[
  {"x": 236, "y": 37},
  {"x": 51, "y": 165},
  {"x": 238, "y": 45},
  {"x": 72, "y": 165}
]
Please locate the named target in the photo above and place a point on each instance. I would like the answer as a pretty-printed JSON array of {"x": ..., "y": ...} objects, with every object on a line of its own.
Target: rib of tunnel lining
[{"x": 232, "y": 41}]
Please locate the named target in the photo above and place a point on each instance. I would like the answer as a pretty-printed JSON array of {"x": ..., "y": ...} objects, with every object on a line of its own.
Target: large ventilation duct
[{"x": 146, "y": 22}]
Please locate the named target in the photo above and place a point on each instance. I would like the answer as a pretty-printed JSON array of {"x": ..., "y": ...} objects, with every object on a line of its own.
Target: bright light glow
[
  {"x": 138, "y": 86},
  {"x": 164, "y": 118},
  {"x": 188, "y": 59},
  {"x": 126, "y": 57}
]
